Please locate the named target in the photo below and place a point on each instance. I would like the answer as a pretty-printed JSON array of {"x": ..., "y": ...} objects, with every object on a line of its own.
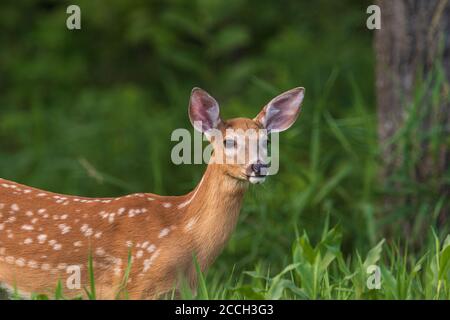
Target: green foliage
[
  {"x": 90, "y": 112},
  {"x": 324, "y": 271},
  {"x": 122, "y": 293},
  {"x": 91, "y": 292}
]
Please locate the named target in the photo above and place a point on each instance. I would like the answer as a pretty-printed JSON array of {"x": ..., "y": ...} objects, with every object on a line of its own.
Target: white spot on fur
[
  {"x": 148, "y": 262},
  {"x": 164, "y": 232},
  {"x": 88, "y": 232},
  {"x": 41, "y": 238},
  {"x": 45, "y": 267},
  {"x": 20, "y": 262},
  {"x": 27, "y": 227},
  {"x": 64, "y": 228}
]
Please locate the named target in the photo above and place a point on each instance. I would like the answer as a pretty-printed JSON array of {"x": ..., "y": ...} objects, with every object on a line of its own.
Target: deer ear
[
  {"x": 203, "y": 110},
  {"x": 282, "y": 111}
]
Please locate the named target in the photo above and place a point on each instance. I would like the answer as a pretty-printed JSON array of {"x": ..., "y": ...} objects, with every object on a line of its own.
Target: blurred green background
[{"x": 90, "y": 111}]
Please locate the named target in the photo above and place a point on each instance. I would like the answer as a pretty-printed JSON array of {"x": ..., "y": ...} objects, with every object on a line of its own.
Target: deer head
[{"x": 240, "y": 144}]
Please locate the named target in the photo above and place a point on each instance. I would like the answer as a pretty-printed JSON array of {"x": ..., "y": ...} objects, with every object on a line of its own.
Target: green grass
[
  {"x": 96, "y": 121},
  {"x": 323, "y": 271}
]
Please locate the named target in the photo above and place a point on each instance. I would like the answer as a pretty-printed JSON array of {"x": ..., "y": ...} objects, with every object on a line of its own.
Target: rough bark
[{"x": 412, "y": 51}]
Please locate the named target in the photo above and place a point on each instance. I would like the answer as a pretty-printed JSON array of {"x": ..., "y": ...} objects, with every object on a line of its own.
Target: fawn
[{"x": 42, "y": 233}]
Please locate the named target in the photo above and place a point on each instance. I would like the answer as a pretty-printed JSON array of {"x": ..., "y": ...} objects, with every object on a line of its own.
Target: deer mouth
[{"x": 256, "y": 179}]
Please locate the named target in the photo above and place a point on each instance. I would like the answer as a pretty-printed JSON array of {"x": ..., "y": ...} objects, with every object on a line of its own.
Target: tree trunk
[{"x": 412, "y": 51}]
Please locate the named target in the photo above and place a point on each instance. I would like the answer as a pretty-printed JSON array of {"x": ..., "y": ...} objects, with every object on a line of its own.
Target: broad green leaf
[{"x": 373, "y": 255}]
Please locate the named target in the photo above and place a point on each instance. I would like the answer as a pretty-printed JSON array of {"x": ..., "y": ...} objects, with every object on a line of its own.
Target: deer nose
[{"x": 259, "y": 168}]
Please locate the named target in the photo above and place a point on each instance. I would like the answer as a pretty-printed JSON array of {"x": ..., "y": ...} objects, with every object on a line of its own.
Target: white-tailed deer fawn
[{"x": 42, "y": 234}]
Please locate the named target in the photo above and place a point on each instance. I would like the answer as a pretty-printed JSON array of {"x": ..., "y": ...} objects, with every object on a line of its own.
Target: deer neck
[{"x": 213, "y": 213}]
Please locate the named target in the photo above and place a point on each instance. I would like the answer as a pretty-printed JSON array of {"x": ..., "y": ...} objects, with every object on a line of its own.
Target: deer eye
[{"x": 229, "y": 143}]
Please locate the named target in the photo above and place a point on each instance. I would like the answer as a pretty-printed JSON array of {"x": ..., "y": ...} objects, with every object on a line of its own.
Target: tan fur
[{"x": 199, "y": 222}]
